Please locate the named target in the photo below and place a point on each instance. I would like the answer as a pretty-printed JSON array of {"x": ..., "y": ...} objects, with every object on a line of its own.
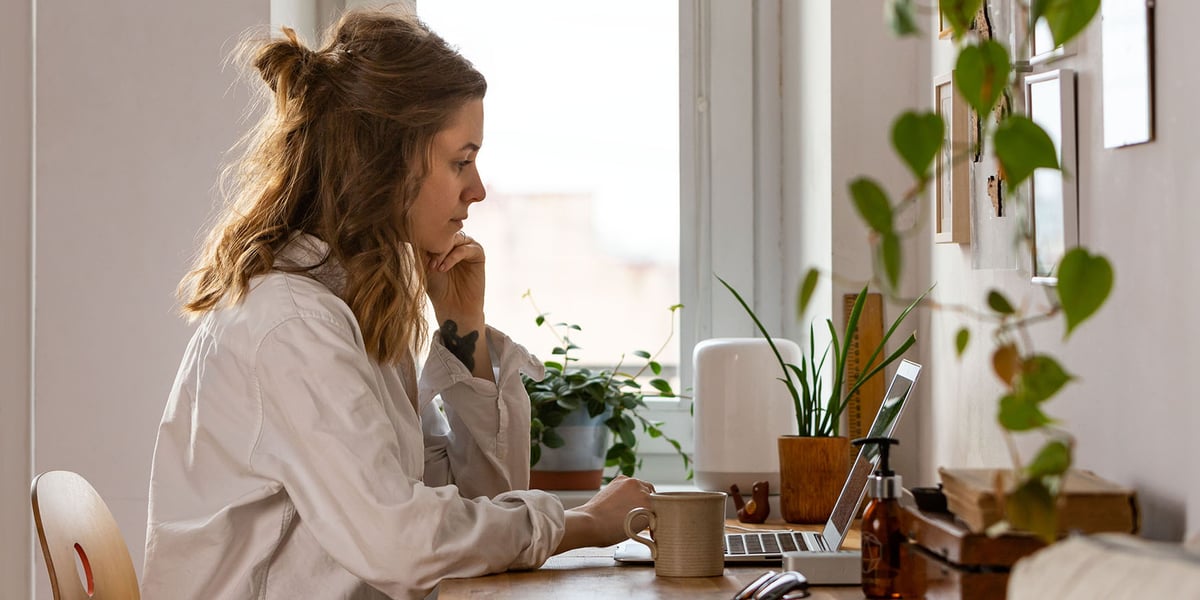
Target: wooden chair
[{"x": 73, "y": 522}]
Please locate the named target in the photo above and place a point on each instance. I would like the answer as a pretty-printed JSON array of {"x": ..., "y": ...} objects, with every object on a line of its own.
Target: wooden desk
[{"x": 591, "y": 573}]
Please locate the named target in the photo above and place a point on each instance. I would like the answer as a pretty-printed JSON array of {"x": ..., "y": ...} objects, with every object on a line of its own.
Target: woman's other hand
[{"x": 601, "y": 521}]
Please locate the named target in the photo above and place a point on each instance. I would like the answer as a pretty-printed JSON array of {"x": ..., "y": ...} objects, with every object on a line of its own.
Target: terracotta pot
[
  {"x": 812, "y": 471},
  {"x": 566, "y": 480}
]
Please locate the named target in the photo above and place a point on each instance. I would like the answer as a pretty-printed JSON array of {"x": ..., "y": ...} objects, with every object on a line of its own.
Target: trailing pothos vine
[{"x": 984, "y": 77}]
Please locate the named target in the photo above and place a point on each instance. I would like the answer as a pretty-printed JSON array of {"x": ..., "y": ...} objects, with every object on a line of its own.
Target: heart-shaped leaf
[
  {"x": 959, "y": 14},
  {"x": 890, "y": 258},
  {"x": 1053, "y": 459},
  {"x": 961, "y": 339},
  {"x": 1022, "y": 146},
  {"x": 1019, "y": 414},
  {"x": 1041, "y": 378},
  {"x": 807, "y": 287},
  {"x": 917, "y": 138},
  {"x": 1006, "y": 363},
  {"x": 999, "y": 303},
  {"x": 902, "y": 17},
  {"x": 981, "y": 74},
  {"x": 1066, "y": 18},
  {"x": 1084, "y": 282},
  {"x": 1032, "y": 507},
  {"x": 872, "y": 204}
]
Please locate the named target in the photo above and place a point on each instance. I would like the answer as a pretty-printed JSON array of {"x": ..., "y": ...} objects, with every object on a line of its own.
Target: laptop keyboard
[{"x": 773, "y": 543}]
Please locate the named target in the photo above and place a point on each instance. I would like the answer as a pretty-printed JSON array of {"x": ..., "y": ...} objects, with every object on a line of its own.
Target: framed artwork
[
  {"x": 1041, "y": 45},
  {"x": 1127, "y": 27},
  {"x": 1054, "y": 219},
  {"x": 944, "y": 29},
  {"x": 952, "y": 180}
]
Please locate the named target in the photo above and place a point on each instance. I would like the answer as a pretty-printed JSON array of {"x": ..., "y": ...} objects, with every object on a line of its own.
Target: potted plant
[
  {"x": 584, "y": 420},
  {"x": 813, "y": 463}
]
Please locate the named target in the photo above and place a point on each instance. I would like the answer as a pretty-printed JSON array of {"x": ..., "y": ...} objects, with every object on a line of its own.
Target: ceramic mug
[{"x": 687, "y": 533}]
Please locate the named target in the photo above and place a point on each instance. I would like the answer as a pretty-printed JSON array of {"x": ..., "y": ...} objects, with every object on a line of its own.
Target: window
[{"x": 581, "y": 163}]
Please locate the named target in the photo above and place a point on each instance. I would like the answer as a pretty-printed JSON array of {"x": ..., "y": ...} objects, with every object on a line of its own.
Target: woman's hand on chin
[{"x": 455, "y": 280}]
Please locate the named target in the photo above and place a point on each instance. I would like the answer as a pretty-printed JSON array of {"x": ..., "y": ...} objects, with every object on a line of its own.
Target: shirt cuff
[
  {"x": 443, "y": 370},
  {"x": 548, "y": 523}
]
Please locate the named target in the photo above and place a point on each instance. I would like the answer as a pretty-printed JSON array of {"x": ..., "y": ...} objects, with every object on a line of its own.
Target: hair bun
[{"x": 283, "y": 62}]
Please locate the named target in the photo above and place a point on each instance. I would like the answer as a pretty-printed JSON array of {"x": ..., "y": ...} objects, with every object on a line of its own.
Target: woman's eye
[{"x": 462, "y": 164}]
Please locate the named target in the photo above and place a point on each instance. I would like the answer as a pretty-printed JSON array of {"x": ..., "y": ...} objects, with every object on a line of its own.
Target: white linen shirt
[{"x": 289, "y": 464}]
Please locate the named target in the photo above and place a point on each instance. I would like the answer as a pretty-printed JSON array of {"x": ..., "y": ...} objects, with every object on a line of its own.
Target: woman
[{"x": 300, "y": 456}]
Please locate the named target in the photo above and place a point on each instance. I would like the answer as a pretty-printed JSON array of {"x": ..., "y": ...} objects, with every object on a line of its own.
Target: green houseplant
[
  {"x": 814, "y": 462},
  {"x": 987, "y": 76},
  {"x": 610, "y": 398}
]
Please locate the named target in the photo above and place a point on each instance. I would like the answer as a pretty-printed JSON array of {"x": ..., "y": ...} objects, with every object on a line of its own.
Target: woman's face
[{"x": 452, "y": 183}]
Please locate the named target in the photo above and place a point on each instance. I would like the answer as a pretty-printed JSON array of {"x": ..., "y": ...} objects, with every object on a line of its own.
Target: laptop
[{"x": 813, "y": 553}]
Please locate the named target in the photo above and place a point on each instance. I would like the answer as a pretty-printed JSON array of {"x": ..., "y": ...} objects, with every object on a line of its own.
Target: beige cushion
[{"x": 1108, "y": 565}]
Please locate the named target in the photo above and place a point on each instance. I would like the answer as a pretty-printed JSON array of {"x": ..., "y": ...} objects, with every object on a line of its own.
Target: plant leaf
[
  {"x": 889, "y": 256},
  {"x": 1018, "y": 414},
  {"x": 1066, "y": 18},
  {"x": 1021, "y": 147},
  {"x": 981, "y": 74},
  {"x": 917, "y": 138},
  {"x": 872, "y": 204},
  {"x": 535, "y": 454},
  {"x": 661, "y": 385},
  {"x": 641, "y": 354},
  {"x": 997, "y": 302},
  {"x": 807, "y": 287},
  {"x": 655, "y": 367},
  {"x": 961, "y": 339},
  {"x": 1006, "y": 363},
  {"x": 902, "y": 17},
  {"x": 552, "y": 439},
  {"x": 1041, "y": 378},
  {"x": 1053, "y": 459},
  {"x": 1031, "y": 507},
  {"x": 1084, "y": 282},
  {"x": 959, "y": 14}
]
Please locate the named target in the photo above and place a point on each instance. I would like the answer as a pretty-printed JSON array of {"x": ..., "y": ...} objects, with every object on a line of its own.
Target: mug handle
[{"x": 633, "y": 514}]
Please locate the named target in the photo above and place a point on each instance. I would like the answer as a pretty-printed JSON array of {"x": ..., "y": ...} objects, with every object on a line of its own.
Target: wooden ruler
[{"x": 866, "y": 401}]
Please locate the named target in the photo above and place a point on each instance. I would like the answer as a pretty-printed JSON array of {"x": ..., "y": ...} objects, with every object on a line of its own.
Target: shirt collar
[{"x": 306, "y": 251}]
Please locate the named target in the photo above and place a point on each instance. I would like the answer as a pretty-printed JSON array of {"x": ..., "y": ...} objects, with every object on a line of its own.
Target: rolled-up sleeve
[
  {"x": 481, "y": 443},
  {"x": 326, "y": 436}
]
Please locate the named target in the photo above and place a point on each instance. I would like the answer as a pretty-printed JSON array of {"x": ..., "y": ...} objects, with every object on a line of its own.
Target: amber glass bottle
[{"x": 882, "y": 538}]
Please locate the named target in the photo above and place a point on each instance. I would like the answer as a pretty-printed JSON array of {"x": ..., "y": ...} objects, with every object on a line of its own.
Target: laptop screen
[{"x": 868, "y": 456}]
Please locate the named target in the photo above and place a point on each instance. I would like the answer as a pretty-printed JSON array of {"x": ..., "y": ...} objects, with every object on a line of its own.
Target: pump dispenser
[{"x": 882, "y": 537}]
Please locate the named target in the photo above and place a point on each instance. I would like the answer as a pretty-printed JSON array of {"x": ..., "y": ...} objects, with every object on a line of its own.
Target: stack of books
[{"x": 1087, "y": 502}]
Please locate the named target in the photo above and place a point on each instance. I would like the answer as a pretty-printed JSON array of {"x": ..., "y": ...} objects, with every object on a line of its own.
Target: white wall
[
  {"x": 1133, "y": 409},
  {"x": 844, "y": 80},
  {"x": 16, "y": 193},
  {"x": 134, "y": 112}
]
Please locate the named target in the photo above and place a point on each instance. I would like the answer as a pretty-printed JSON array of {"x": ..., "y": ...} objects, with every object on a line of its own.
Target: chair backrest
[{"x": 74, "y": 523}]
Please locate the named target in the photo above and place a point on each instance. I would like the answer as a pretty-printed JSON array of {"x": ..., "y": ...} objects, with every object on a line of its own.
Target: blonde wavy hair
[{"x": 341, "y": 156}]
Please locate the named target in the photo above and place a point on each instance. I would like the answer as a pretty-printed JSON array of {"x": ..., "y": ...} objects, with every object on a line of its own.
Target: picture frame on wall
[
  {"x": 1127, "y": 71},
  {"x": 952, "y": 179},
  {"x": 1053, "y": 194},
  {"x": 1042, "y": 48}
]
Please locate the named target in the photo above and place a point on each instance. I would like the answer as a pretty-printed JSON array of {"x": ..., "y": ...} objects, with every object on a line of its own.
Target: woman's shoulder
[{"x": 278, "y": 297}]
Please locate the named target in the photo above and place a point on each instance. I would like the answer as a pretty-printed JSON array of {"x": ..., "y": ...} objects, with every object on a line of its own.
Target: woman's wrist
[
  {"x": 466, "y": 339},
  {"x": 579, "y": 530}
]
